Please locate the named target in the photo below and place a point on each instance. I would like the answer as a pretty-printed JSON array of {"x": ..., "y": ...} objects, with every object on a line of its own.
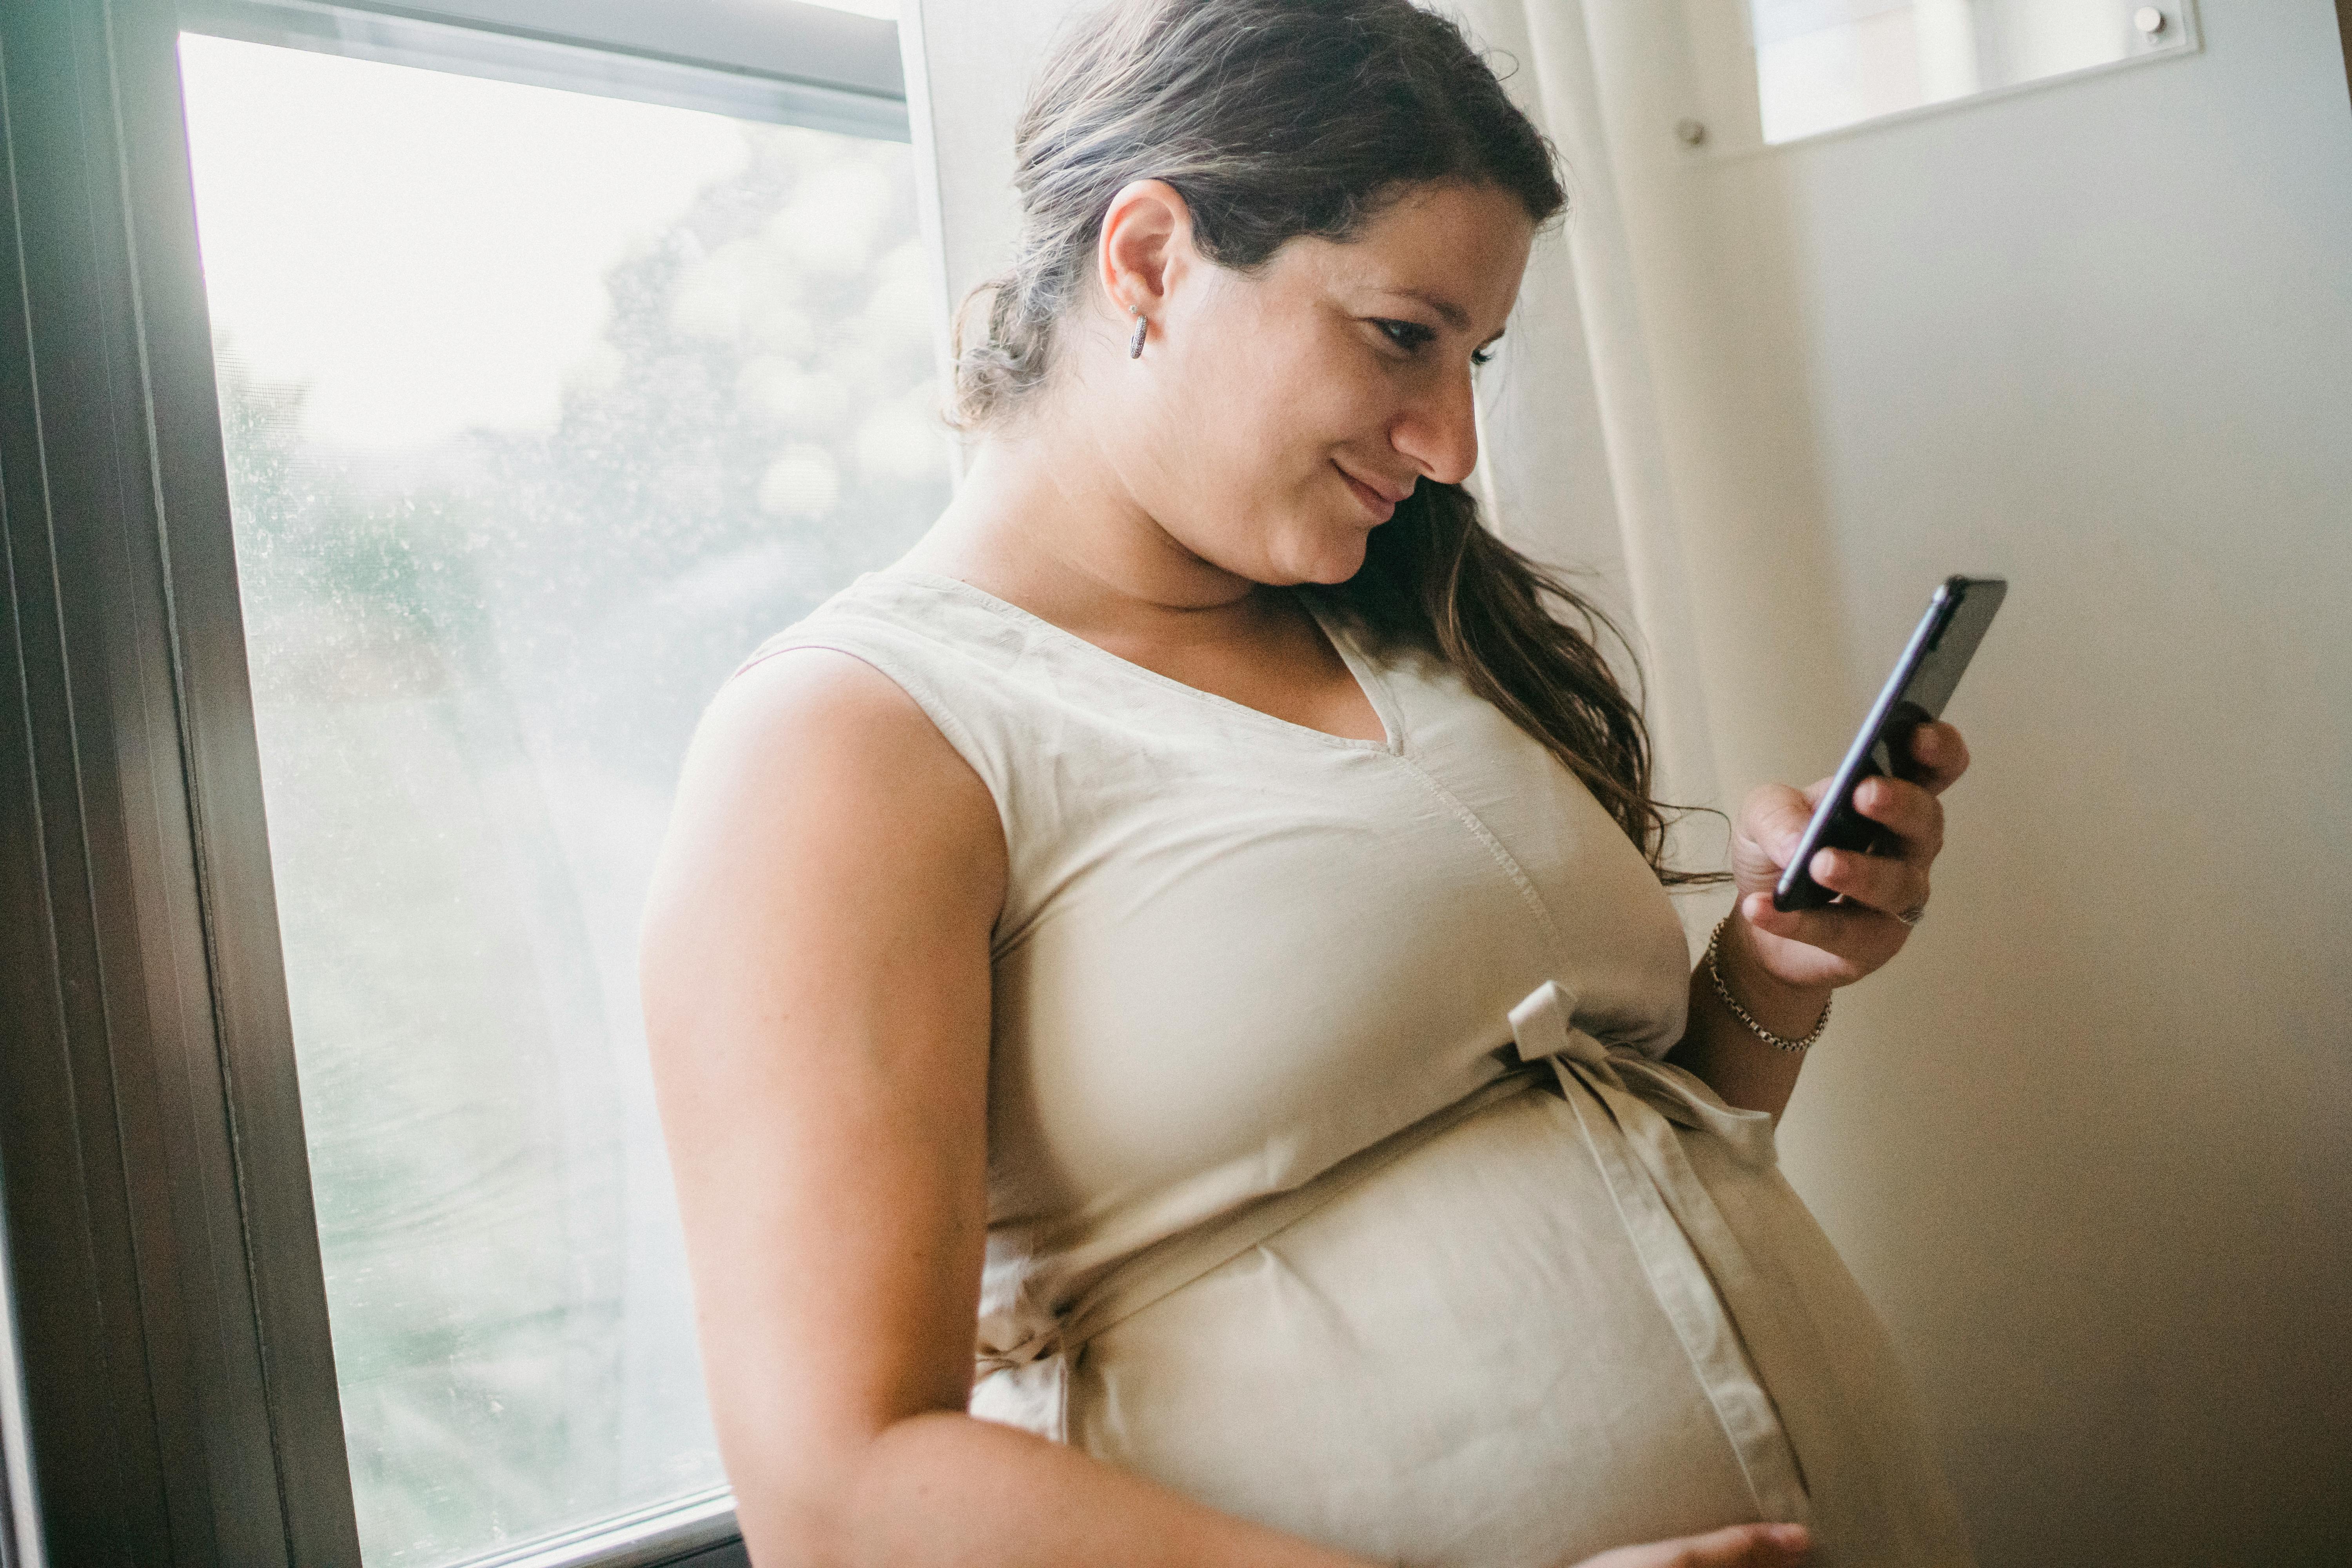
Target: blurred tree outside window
[{"x": 540, "y": 410}]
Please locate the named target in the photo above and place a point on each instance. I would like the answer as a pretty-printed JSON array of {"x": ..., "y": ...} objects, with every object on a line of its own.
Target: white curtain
[
  {"x": 1574, "y": 461},
  {"x": 1573, "y": 467}
]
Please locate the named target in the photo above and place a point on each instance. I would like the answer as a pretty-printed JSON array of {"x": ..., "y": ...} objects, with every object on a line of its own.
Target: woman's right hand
[{"x": 1739, "y": 1546}]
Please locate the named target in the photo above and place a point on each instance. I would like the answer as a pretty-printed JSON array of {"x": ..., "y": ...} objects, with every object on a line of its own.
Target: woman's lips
[{"x": 1378, "y": 505}]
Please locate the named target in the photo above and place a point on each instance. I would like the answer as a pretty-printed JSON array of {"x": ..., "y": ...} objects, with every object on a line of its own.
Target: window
[
  {"x": 1825, "y": 64},
  {"x": 546, "y": 374},
  {"x": 539, "y": 409}
]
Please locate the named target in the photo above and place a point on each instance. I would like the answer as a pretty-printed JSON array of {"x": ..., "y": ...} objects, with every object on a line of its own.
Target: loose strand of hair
[{"x": 1442, "y": 578}]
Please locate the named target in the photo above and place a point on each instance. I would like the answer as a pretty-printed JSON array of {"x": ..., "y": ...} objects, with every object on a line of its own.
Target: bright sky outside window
[{"x": 540, "y": 409}]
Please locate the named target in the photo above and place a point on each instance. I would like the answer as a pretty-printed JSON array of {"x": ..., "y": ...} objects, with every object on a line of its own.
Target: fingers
[
  {"x": 1881, "y": 882},
  {"x": 1774, "y": 819},
  {"x": 1773, "y": 822},
  {"x": 1862, "y": 938},
  {"x": 1939, "y": 755},
  {"x": 1741, "y": 1546},
  {"x": 1907, "y": 810},
  {"x": 1897, "y": 878}
]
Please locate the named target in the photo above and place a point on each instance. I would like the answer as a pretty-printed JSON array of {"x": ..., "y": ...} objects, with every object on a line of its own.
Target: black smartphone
[{"x": 1923, "y": 681}]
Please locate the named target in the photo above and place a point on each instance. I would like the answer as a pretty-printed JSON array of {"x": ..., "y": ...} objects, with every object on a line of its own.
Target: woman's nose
[{"x": 1438, "y": 431}]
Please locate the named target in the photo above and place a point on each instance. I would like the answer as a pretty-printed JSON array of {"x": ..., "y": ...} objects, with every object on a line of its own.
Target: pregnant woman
[{"x": 1171, "y": 1029}]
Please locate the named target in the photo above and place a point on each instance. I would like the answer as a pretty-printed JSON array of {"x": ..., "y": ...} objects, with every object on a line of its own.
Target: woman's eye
[{"x": 1410, "y": 336}]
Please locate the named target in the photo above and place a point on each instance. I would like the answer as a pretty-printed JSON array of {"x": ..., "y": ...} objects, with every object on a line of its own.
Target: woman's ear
[{"x": 1146, "y": 246}]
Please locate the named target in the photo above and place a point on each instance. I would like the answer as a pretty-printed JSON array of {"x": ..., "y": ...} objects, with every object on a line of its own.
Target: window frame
[
  {"x": 808, "y": 66},
  {"x": 161, "y": 1251},
  {"x": 2344, "y": 35}
]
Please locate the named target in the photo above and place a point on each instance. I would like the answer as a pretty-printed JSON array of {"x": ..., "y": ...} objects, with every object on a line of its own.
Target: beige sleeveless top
[{"x": 1332, "y": 1176}]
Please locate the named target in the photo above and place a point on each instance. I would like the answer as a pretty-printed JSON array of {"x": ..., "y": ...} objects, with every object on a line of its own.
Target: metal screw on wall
[
  {"x": 1690, "y": 132},
  {"x": 2148, "y": 20}
]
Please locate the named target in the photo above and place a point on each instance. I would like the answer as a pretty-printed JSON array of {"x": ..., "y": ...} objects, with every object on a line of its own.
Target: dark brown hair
[{"x": 1277, "y": 118}]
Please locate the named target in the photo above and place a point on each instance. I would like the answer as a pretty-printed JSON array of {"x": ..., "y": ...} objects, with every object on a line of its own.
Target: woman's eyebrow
[{"x": 1454, "y": 315}]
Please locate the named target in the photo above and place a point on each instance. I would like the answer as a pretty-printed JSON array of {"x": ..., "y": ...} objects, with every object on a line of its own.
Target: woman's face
[{"x": 1286, "y": 411}]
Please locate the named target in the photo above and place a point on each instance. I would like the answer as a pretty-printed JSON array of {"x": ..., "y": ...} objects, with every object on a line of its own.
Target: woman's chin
[{"x": 1325, "y": 559}]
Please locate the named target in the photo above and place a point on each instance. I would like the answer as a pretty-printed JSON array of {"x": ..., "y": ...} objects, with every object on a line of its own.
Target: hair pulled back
[{"x": 1277, "y": 118}]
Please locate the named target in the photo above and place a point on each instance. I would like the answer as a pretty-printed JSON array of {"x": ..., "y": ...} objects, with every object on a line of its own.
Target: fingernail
[{"x": 1792, "y": 1535}]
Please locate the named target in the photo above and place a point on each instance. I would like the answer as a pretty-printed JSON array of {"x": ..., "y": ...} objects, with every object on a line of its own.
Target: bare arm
[
  {"x": 1784, "y": 967},
  {"x": 816, "y": 984}
]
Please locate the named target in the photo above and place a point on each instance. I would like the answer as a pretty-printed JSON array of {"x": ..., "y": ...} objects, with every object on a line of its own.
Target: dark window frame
[
  {"x": 2344, "y": 35},
  {"x": 178, "y": 1378}
]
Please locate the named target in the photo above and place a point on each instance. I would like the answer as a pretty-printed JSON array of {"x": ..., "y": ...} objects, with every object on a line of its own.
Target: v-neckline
[{"x": 1367, "y": 675}]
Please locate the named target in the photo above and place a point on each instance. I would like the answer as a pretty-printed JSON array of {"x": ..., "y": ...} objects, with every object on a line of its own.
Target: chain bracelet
[{"x": 1714, "y": 945}]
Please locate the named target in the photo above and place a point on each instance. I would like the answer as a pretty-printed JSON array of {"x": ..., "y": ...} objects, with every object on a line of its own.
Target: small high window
[{"x": 1821, "y": 65}]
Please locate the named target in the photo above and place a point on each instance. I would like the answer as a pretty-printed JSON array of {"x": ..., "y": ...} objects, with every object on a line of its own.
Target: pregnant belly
[{"x": 1473, "y": 1357}]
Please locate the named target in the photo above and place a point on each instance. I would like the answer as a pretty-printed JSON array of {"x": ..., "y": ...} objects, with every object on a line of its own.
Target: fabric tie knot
[
  {"x": 1543, "y": 1026},
  {"x": 1027, "y": 1382}
]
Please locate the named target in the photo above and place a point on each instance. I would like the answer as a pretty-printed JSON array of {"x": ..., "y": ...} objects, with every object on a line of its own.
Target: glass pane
[
  {"x": 540, "y": 409},
  {"x": 1822, "y": 64}
]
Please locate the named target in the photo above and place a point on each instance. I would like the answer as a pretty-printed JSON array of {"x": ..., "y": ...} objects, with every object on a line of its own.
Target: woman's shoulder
[
  {"x": 948, "y": 648},
  {"x": 821, "y": 738},
  {"x": 874, "y": 662},
  {"x": 806, "y": 704},
  {"x": 908, "y": 615},
  {"x": 814, "y": 759}
]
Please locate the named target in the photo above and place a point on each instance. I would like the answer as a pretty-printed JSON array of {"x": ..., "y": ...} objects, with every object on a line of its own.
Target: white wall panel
[{"x": 2085, "y": 1142}]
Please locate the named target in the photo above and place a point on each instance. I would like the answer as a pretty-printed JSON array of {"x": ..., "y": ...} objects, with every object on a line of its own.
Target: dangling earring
[{"x": 1135, "y": 343}]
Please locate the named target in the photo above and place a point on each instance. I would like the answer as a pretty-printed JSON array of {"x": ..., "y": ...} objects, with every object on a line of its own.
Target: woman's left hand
[{"x": 1840, "y": 945}]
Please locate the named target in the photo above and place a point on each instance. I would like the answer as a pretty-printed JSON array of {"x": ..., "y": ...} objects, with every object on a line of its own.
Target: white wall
[{"x": 2089, "y": 1143}]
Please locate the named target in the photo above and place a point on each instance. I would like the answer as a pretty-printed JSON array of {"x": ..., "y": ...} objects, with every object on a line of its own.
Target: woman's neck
[{"x": 1048, "y": 524}]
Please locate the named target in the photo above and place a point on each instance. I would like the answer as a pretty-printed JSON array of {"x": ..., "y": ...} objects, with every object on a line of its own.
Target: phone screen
[{"x": 1924, "y": 680}]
